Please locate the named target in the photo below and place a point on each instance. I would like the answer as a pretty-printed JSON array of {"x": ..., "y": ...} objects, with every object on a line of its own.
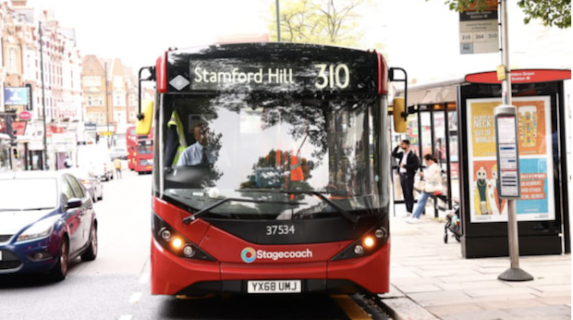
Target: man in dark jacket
[{"x": 408, "y": 164}]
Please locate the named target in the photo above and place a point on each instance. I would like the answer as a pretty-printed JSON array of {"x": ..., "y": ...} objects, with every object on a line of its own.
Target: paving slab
[
  {"x": 406, "y": 309},
  {"x": 441, "y": 311}
]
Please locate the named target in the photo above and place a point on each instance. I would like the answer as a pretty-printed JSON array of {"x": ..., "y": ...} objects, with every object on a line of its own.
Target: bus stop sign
[{"x": 507, "y": 152}]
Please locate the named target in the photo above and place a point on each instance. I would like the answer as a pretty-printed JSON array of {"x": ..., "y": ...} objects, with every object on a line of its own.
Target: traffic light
[
  {"x": 8, "y": 123},
  {"x": 16, "y": 153}
]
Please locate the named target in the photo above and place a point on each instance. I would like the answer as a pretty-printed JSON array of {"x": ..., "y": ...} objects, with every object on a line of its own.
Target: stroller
[{"x": 453, "y": 224}]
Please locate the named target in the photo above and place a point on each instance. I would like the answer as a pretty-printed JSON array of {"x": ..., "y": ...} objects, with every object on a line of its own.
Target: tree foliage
[
  {"x": 551, "y": 12},
  {"x": 331, "y": 22}
]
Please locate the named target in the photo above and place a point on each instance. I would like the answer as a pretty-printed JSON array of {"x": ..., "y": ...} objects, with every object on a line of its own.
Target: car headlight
[{"x": 40, "y": 229}]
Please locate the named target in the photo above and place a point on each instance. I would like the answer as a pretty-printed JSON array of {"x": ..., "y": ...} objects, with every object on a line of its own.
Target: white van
[{"x": 97, "y": 159}]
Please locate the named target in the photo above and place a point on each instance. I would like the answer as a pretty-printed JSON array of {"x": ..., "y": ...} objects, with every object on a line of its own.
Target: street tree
[
  {"x": 551, "y": 12},
  {"x": 331, "y": 22}
]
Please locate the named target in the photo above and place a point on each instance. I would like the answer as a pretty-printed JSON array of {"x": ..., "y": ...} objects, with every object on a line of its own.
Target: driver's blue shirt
[{"x": 193, "y": 155}]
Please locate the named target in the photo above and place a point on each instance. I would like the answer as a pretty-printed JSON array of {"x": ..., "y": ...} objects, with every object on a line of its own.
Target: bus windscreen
[{"x": 260, "y": 147}]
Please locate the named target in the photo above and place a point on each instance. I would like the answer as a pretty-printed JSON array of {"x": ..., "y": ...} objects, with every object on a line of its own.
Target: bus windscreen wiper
[
  {"x": 197, "y": 214},
  {"x": 339, "y": 209}
]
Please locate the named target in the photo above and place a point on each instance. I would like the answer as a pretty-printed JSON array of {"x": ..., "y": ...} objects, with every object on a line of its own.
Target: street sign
[
  {"x": 16, "y": 96},
  {"x": 479, "y": 32},
  {"x": 501, "y": 73},
  {"x": 106, "y": 133},
  {"x": 30, "y": 105},
  {"x": 90, "y": 126},
  {"x": 25, "y": 115}
]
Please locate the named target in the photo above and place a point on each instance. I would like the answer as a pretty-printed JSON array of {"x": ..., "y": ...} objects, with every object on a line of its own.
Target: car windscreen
[
  {"x": 28, "y": 194},
  {"x": 280, "y": 157}
]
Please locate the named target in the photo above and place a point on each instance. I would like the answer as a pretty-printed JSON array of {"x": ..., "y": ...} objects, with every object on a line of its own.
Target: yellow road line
[{"x": 352, "y": 310}]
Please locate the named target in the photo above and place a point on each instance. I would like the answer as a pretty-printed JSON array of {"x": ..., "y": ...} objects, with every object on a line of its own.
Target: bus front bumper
[{"x": 171, "y": 275}]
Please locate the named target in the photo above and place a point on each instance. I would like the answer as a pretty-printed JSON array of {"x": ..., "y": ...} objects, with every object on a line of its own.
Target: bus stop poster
[
  {"x": 536, "y": 164},
  {"x": 532, "y": 126}
]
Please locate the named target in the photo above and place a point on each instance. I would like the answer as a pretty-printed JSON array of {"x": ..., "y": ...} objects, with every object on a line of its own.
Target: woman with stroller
[{"x": 433, "y": 182}]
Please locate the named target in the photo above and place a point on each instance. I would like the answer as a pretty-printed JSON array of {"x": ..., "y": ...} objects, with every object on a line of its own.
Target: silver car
[{"x": 90, "y": 181}]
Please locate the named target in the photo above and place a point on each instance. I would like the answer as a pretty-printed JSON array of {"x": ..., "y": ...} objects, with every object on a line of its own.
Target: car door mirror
[{"x": 73, "y": 203}]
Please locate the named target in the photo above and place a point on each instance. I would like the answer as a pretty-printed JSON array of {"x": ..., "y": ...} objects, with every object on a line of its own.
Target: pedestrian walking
[
  {"x": 117, "y": 164},
  {"x": 408, "y": 165},
  {"x": 433, "y": 183}
]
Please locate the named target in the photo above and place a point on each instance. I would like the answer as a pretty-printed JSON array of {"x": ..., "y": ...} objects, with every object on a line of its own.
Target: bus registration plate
[{"x": 277, "y": 286}]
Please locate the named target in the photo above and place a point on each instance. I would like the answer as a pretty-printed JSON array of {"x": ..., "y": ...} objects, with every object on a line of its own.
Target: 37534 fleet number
[{"x": 280, "y": 230}]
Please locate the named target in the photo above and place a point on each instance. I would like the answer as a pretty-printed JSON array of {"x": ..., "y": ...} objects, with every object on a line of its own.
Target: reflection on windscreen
[
  {"x": 23, "y": 194},
  {"x": 241, "y": 147}
]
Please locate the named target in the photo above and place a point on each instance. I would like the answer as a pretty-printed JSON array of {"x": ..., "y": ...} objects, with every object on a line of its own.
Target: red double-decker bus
[
  {"x": 144, "y": 154},
  {"x": 271, "y": 170},
  {"x": 131, "y": 144}
]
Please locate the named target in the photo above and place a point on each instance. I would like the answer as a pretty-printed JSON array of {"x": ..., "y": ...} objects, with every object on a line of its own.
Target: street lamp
[
  {"x": 106, "y": 104},
  {"x": 45, "y": 164},
  {"x": 278, "y": 22}
]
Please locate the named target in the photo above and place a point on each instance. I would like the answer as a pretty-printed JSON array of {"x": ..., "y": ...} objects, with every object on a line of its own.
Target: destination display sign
[
  {"x": 247, "y": 69},
  {"x": 224, "y": 76}
]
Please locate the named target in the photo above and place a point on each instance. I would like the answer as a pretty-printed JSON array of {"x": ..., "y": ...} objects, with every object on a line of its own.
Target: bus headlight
[
  {"x": 174, "y": 242},
  {"x": 165, "y": 234},
  {"x": 188, "y": 251}
]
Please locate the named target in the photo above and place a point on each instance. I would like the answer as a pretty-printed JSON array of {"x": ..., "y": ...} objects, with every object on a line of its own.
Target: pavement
[{"x": 431, "y": 280}]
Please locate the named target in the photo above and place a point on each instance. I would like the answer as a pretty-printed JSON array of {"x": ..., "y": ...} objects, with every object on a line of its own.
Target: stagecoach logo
[{"x": 249, "y": 254}]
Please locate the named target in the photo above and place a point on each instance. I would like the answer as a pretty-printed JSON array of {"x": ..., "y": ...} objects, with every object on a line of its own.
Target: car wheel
[
  {"x": 60, "y": 270},
  {"x": 91, "y": 252},
  {"x": 100, "y": 198}
]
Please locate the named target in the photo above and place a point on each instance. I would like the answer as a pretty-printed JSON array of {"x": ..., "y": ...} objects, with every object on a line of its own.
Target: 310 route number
[{"x": 338, "y": 76}]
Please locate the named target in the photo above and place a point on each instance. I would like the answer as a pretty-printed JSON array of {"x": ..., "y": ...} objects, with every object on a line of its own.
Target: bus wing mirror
[
  {"x": 143, "y": 126},
  {"x": 400, "y": 115}
]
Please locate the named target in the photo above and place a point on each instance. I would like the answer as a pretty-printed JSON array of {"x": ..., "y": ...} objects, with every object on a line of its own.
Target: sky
[{"x": 418, "y": 35}]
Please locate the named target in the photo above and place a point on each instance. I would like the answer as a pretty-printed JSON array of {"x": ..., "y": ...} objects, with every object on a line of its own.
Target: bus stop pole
[{"x": 514, "y": 273}]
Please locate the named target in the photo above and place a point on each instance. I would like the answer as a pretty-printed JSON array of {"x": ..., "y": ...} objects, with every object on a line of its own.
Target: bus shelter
[
  {"x": 433, "y": 129},
  {"x": 462, "y": 112}
]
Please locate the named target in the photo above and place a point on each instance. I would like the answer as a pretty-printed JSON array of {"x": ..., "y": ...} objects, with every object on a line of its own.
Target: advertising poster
[{"x": 535, "y": 160}]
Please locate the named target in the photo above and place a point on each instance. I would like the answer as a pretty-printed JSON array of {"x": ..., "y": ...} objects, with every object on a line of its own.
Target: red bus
[
  {"x": 274, "y": 164},
  {"x": 131, "y": 144},
  {"x": 144, "y": 155}
]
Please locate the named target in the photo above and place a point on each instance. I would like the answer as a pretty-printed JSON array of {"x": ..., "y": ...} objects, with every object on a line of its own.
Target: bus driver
[{"x": 199, "y": 152}]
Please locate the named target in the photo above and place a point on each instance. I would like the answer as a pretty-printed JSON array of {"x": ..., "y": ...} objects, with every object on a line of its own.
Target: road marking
[
  {"x": 352, "y": 310},
  {"x": 144, "y": 278},
  {"x": 126, "y": 317},
  {"x": 135, "y": 297}
]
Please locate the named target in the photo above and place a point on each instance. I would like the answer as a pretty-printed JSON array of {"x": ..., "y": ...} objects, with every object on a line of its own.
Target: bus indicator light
[
  {"x": 177, "y": 243},
  {"x": 368, "y": 242},
  {"x": 359, "y": 250}
]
